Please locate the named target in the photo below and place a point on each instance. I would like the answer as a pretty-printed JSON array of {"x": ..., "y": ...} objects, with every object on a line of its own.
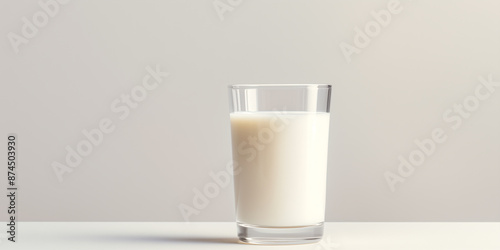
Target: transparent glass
[{"x": 280, "y": 146}]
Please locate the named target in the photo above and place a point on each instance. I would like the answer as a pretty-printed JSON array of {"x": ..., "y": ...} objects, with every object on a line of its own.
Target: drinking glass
[{"x": 280, "y": 146}]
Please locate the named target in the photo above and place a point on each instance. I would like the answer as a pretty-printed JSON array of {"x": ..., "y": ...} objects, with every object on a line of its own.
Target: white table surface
[{"x": 222, "y": 235}]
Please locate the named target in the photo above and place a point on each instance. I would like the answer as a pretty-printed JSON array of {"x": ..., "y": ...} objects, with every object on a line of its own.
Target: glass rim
[{"x": 275, "y": 85}]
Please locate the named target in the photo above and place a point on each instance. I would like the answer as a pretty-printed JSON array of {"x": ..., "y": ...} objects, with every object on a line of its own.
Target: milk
[{"x": 282, "y": 162}]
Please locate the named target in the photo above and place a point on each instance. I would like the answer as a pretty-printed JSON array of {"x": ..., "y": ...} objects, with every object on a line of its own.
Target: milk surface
[{"x": 282, "y": 159}]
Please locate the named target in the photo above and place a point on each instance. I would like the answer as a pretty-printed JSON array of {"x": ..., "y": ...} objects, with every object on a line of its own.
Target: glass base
[{"x": 279, "y": 235}]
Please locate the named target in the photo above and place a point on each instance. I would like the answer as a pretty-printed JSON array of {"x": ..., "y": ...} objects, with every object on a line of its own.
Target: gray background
[{"x": 394, "y": 91}]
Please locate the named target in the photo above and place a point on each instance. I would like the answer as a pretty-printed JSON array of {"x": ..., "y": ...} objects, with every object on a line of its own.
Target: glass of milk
[{"x": 280, "y": 146}]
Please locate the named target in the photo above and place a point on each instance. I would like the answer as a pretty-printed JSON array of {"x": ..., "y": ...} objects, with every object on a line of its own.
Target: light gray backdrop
[{"x": 403, "y": 71}]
